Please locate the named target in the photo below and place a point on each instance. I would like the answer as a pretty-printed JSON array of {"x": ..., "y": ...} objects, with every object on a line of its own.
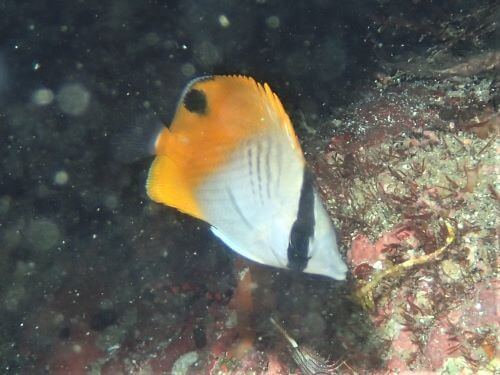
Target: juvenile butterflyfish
[{"x": 231, "y": 158}]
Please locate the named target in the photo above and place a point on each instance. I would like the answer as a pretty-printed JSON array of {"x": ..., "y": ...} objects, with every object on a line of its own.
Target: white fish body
[{"x": 240, "y": 168}]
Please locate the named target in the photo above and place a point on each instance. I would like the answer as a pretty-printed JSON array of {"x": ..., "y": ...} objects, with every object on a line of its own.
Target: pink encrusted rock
[
  {"x": 450, "y": 332},
  {"x": 403, "y": 343},
  {"x": 483, "y": 310},
  {"x": 395, "y": 365},
  {"x": 441, "y": 344},
  {"x": 362, "y": 251},
  {"x": 393, "y": 238},
  {"x": 402, "y": 349}
]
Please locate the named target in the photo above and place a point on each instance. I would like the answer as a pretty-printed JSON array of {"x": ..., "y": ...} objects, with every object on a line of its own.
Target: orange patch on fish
[{"x": 217, "y": 114}]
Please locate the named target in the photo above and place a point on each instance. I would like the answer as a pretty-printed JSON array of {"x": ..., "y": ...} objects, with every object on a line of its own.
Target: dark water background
[{"x": 76, "y": 226}]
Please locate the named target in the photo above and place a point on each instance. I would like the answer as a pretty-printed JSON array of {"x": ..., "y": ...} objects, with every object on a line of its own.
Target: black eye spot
[{"x": 196, "y": 101}]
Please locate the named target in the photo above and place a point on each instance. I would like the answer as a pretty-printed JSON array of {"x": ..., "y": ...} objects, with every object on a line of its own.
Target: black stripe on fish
[
  {"x": 259, "y": 170},
  {"x": 268, "y": 168},
  {"x": 250, "y": 167},
  {"x": 303, "y": 228}
]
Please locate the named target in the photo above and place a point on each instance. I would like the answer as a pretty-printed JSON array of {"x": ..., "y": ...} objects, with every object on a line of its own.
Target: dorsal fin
[{"x": 285, "y": 123}]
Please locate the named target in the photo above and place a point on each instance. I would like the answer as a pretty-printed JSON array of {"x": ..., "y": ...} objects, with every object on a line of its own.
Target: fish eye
[{"x": 196, "y": 101}]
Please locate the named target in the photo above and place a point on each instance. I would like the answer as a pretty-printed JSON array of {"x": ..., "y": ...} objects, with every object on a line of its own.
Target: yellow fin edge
[{"x": 166, "y": 184}]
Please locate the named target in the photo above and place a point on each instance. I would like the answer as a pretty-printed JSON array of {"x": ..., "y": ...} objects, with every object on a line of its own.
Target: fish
[{"x": 231, "y": 158}]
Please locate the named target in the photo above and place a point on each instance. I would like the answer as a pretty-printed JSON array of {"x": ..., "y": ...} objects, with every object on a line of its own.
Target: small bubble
[
  {"x": 61, "y": 178},
  {"x": 42, "y": 97},
  {"x": 273, "y": 22},
  {"x": 207, "y": 54},
  {"x": 111, "y": 202},
  {"x": 43, "y": 234},
  {"x": 169, "y": 44},
  {"x": 73, "y": 99},
  {"x": 152, "y": 39},
  {"x": 224, "y": 21},
  {"x": 188, "y": 69},
  {"x": 5, "y": 203}
]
